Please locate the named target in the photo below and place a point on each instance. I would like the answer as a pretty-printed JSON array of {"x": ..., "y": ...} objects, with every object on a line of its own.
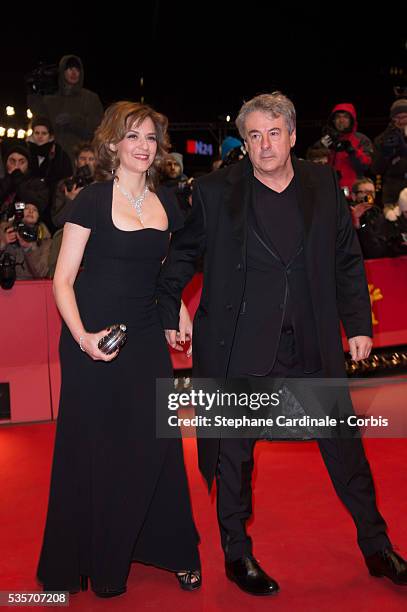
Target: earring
[{"x": 148, "y": 171}]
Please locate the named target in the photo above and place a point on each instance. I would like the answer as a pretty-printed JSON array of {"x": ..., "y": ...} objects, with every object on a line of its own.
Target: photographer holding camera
[
  {"x": 18, "y": 167},
  {"x": 66, "y": 192},
  {"x": 349, "y": 151},
  {"x": 24, "y": 237},
  {"x": 390, "y": 156},
  {"x": 368, "y": 219},
  {"x": 68, "y": 188},
  {"x": 74, "y": 111}
]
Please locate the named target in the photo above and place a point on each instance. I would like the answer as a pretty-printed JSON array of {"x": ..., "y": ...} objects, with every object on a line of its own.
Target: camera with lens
[
  {"x": 372, "y": 214},
  {"x": 43, "y": 79},
  {"x": 330, "y": 137},
  {"x": 7, "y": 270},
  {"x": 82, "y": 177},
  {"x": 29, "y": 233}
]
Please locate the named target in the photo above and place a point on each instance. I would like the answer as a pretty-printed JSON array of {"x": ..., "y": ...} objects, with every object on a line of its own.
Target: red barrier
[
  {"x": 30, "y": 327},
  {"x": 387, "y": 280},
  {"x": 24, "y": 350}
]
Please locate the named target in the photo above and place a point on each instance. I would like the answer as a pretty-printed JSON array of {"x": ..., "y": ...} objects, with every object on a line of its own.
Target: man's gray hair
[{"x": 274, "y": 104}]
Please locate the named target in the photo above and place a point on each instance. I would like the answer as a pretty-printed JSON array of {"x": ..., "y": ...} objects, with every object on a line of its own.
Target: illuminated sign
[{"x": 197, "y": 147}]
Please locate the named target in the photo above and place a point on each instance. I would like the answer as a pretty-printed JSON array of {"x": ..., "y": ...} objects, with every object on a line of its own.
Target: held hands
[
  {"x": 177, "y": 339},
  {"x": 89, "y": 345},
  {"x": 360, "y": 347}
]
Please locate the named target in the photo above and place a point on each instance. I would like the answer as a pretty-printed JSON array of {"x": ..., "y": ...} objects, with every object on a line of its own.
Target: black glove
[{"x": 344, "y": 145}]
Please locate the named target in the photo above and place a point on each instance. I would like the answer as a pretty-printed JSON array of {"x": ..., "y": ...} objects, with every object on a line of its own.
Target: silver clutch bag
[{"x": 114, "y": 339}]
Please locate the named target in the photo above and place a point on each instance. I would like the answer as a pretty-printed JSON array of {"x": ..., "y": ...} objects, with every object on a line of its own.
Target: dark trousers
[{"x": 355, "y": 490}]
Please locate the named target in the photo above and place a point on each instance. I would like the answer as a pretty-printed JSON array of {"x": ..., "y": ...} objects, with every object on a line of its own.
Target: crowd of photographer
[
  {"x": 360, "y": 166},
  {"x": 41, "y": 178}
]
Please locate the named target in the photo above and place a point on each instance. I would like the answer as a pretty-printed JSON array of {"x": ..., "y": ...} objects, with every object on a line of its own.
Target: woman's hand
[
  {"x": 177, "y": 339},
  {"x": 185, "y": 329},
  {"x": 90, "y": 346}
]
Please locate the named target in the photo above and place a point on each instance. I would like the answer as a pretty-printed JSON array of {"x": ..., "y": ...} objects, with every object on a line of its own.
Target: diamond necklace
[{"x": 136, "y": 202}]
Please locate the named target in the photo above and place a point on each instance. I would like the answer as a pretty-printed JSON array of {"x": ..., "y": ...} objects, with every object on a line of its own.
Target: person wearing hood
[
  {"x": 75, "y": 112},
  {"x": 350, "y": 151}
]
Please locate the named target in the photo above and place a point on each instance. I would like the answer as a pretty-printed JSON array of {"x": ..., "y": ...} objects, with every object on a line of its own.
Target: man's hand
[
  {"x": 10, "y": 235},
  {"x": 171, "y": 337},
  {"x": 327, "y": 141},
  {"x": 360, "y": 347},
  {"x": 357, "y": 211},
  {"x": 73, "y": 193}
]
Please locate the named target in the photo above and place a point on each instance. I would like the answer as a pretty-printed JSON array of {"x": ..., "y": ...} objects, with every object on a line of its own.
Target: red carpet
[{"x": 302, "y": 534}]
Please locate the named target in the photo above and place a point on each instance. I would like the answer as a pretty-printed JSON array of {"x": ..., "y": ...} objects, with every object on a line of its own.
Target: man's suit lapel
[
  {"x": 305, "y": 191},
  {"x": 237, "y": 198}
]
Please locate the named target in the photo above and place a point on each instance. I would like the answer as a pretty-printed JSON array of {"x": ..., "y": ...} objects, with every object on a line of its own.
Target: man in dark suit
[{"x": 282, "y": 264}]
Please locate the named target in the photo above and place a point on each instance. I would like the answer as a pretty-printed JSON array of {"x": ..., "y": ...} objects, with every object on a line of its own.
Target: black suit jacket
[{"x": 217, "y": 228}]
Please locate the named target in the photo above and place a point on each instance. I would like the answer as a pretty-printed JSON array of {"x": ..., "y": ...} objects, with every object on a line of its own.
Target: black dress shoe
[
  {"x": 249, "y": 577},
  {"x": 389, "y": 564}
]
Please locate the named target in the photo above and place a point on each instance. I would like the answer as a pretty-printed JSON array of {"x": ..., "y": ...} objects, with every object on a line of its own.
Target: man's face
[
  {"x": 31, "y": 214},
  {"x": 15, "y": 161},
  {"x": 400, "y": 120},
  {"x": 268, "y": 142},
  {"x": 342, "y": 121},
  {"x": 86, "y": 158},
  {"x": 72, "y": 75},
  {"x": 41, "y": 135},
  {"x": 172, "y": 168},
  {"x": 365, "y": 190}
]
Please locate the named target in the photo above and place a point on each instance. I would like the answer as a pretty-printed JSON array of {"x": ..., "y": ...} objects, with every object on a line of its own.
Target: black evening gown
[{"x": 118, "y": 493}]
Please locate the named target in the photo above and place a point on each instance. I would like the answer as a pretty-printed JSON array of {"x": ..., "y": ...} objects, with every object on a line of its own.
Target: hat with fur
[
  {"x": 179, "y": 159},
  {"x": 398, "y": 106}
]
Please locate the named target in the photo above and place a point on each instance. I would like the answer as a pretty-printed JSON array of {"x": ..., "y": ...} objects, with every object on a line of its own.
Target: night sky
[{"x": 200, "y": 61}]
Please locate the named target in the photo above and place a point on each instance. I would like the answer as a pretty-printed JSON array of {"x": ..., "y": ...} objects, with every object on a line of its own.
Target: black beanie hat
[
  {"x": 15, "y": 147},
  {"x": 42, "y": 121},
  {"x": 33, "y": 191},
  {"x": 398, "y": 106}
]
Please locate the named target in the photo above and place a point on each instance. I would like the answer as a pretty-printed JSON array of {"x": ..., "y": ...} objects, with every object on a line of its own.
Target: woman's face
[
  {"x": 31, "y": 214},
  {"x": 41, "y": 135},
  {"x": 138, "y": 148}
]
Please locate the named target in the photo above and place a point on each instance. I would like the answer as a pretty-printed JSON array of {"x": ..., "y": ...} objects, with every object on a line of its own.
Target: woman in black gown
[{"x": 118, "y": 493}]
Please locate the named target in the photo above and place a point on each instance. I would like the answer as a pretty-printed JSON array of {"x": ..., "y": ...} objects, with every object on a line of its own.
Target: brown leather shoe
[{"x": 389, "y": 564}]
